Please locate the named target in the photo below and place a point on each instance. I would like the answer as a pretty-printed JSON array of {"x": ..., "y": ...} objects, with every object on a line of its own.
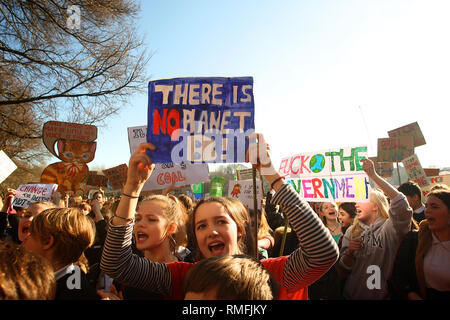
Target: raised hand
[
  {"x": 140, "y": 166},
  {"x": 368, "y": 167},
  {"x": 259, "y": 154},
  {"x": 7, "y": 203}
]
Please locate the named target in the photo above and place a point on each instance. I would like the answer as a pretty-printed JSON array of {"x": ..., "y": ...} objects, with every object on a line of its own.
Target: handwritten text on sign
[
  {"x": 117, "y": 176},
  {"x": 415, "y": 170},
  {"x": 412, "y": 130},
  {"x": 395, "y": 149},
  {"x": 328, "y": 175},
  {"x": 200, "y": 120},
  {"x": 166, "y": 174},
  {"x": 243, "y": 191},
  {"x": 31, "y": 193}
]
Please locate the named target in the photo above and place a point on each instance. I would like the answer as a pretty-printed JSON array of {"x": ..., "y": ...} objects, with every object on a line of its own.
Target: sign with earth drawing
[{"x": 328, "y": 175}]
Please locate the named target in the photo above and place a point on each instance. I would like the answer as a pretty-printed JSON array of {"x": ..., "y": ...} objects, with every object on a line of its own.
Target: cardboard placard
[
  {"x": 95, "y": 179},
  {"x": 431, "y": 172},
  {"x": 244, "y": 174},
  {"x": 55, "y": 130},
  {"x": 395, "y": 149},
  {"x": 384, "y": 169},
  {"x": 412, "y": 130},
  {"x": 415, "y": 171},
  {"x": 117, "y": 176},
  {"x": 200, "y": 119}
]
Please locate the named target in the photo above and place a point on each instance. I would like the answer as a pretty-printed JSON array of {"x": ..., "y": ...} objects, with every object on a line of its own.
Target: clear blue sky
[{"x": 326, "y": 73}]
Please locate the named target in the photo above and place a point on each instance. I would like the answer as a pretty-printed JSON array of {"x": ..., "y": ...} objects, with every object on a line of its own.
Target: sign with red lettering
[
  {"x": 328, "y": 175},
  {"x": 415, "y": 171},
  {"x": 95, "y": 179},
  {"x": 31, "y": 193},
  {"x": 200, "y": 119},
  {"x": 431, "y": 172},
  {"x": 243, "y": 191},
  {"x": 395, "y": 149},
  {"x": 56, "y": 130}
]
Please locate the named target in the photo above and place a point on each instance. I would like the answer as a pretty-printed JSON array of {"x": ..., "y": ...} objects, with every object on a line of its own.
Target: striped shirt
[{"x": 316, "y": 254}]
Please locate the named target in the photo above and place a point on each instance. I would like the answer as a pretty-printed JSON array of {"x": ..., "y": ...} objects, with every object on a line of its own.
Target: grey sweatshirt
[{"x": 373, "y": 263}]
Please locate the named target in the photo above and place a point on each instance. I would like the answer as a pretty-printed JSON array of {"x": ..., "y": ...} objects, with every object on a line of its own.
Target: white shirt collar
[{"x": 422, "y": 208}]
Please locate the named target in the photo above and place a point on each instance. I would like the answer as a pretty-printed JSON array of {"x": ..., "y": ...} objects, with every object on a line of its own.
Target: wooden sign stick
[{"x": 255, "y": 212}]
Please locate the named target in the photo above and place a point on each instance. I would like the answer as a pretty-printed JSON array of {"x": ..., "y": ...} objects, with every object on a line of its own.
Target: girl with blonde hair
[
  {"x": 369, "y": 245},
  {"x": 219, "y": 230},
  {"x": 159, "y": 228}
]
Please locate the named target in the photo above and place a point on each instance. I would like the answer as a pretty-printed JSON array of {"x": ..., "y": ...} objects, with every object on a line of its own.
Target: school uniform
[
  {"x": 419, "y": 214},
  {"x": 72, "y": 284}
]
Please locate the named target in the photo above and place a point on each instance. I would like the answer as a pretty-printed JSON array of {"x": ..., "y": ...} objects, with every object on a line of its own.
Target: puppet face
[{"x": 76, "y": 151}]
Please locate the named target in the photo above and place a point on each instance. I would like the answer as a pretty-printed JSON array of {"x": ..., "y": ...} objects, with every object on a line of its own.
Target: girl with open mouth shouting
[{"x": 218, "y": 228}]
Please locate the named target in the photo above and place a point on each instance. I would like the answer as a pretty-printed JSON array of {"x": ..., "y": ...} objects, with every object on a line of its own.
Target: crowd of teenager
[{"x": 396, "y": 246}]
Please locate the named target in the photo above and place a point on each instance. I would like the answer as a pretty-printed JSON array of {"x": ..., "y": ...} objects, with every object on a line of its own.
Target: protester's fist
[
  {"x": 368, "y": 167},
  {"x": 258, "y": 154},
  {"x": 354, "y": 245},
  {"x": 96, "y": 206},
  {"x": 140, "y": 166},
  {"x": 7, "y": 204}
]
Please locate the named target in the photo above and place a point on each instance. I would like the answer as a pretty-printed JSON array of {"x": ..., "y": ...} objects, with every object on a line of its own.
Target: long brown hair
[{"x": 232, "y": 210}]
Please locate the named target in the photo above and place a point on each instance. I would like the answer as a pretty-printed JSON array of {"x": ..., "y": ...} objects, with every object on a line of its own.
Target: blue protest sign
[{"x": 200, "y": 120}]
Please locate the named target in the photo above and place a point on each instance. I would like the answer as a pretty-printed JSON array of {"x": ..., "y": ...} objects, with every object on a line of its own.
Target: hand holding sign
[
  {"x": 140, "y": 166},
  {"x": 259, "y": 154}
]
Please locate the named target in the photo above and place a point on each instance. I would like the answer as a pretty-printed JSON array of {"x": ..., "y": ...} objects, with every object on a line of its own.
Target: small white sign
[
  {"x": 243, "y": 191},
  {"x": 31, "y": 193},
  {"x": 166, "y": 174},
  {"x": 6, "y": 166}
]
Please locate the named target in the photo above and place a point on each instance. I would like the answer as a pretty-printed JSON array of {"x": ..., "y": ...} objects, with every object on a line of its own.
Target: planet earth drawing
[{"x": 317, "y": 163}]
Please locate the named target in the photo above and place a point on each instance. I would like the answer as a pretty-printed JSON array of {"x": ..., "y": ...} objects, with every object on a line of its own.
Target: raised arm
[
  {"x": 140, "y": 168},
  {"x": 118, "y": 260},
  {"x": 400, "y": 212},
  {"x": 317, "y": 250},
  {"x": 386, "y": 187}
]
